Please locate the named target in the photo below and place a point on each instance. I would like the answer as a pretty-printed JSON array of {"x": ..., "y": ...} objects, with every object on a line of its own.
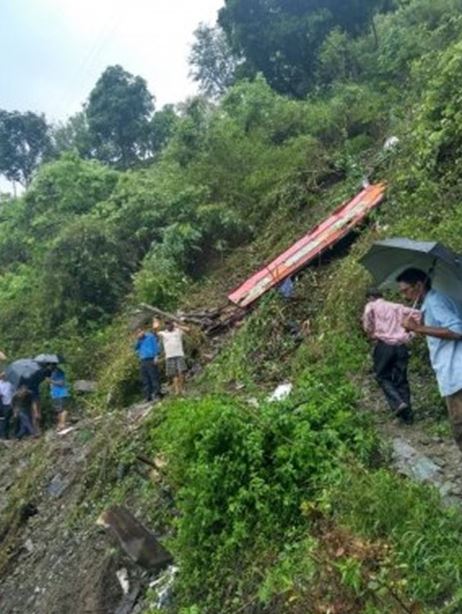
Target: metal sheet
[{"x": 305, "y": 250}]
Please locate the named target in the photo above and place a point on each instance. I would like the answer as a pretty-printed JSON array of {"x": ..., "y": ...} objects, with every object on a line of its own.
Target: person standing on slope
[
  {"x": 382, "y": 322},
  {"x": 147, "y": 348},
  {"x": 442, "y": 325},
  {"x": 172, "y": 341}
]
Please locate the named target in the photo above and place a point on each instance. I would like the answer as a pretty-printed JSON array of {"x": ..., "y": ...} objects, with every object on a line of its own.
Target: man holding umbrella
[
  {"x": 442, "y": 325},
  {"x": 429, "y": 274}
]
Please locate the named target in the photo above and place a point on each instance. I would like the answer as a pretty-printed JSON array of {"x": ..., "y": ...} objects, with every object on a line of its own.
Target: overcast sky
[{"x": 53, "y": 51}]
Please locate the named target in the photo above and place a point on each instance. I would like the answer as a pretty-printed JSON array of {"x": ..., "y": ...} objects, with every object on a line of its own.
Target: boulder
[{"x": 84, "y": 386}]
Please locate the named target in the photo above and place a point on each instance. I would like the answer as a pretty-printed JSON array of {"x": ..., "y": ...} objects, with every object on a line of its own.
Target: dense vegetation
[{"x": 288, "y": 508}]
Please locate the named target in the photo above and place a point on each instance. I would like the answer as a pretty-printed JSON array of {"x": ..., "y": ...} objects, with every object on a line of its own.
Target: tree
[
  {"x": 213, "y": 63},
  {"x": 161, "y": 128},
  {"x": 282, "y": 38},
  {"x": 73, "y": 135},
  {"x": 24, "y": 144},
  {"x": 118, "y": 113},
  {"x": 86, "y": 272}
]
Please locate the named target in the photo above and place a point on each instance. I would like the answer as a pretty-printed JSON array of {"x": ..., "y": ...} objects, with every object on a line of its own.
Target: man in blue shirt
[
  {"x": 60, "y": 394},
  {"x": 147, "y": 348},
  {"x": 442, "y": 325}
]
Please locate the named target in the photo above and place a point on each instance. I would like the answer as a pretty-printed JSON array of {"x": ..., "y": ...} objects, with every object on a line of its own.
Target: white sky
[{"x": 53, "y": 51}]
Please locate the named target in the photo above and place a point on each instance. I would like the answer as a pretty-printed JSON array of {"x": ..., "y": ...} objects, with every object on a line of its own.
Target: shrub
[{"x": 241, "y": 474}]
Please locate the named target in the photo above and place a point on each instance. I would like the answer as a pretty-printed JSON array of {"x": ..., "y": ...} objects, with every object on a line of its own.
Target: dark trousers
[
  {"x": 24, "y": 424},
  {"x": 5, "y": 417},
  {"x": 390, "y": 367},
  {"x": 150, "y": 378}
]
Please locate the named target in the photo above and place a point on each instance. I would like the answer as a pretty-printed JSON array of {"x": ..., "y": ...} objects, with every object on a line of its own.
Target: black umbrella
[
  {"x": 22, "y": 370},
  {"x": 51, "y": 359},
  {"x": 387, "y": 259}
]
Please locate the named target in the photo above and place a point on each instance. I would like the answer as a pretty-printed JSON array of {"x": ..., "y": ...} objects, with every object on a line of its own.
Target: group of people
[
  {"x": 392, "y": 327},
  {"x": 20, "y": 407},
  {"x": 149, "y": 346}
]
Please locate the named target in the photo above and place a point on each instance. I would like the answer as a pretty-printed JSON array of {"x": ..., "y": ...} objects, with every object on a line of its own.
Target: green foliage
[
  {"x": 241, "y": 474},
  {"x": 118, "y": 112},
  {"x": 86, "y": 273},
  {"x": 213, "y": 64},
  {"x": 290, "y": 35},
  {"x": 24, "y": 144},
  {"x": 424, "y": 536},
  {"x": 69, "y": 185},
  {"x": 161, "y": 128},
  {"x": 259, "y": 351},
  {"x": 72, "y": 135},
  {"x": 159, "y": 281}
]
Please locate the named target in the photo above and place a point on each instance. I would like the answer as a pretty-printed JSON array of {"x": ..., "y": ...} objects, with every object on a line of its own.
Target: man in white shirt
[{"x": 172, "y": 342}]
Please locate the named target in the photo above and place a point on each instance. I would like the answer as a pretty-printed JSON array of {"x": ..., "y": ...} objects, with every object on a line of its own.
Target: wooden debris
[{"x": 211, "y": 322}]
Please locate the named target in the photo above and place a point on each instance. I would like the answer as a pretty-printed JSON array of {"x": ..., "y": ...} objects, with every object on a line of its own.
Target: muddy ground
[{"x": 55, "y": 560}]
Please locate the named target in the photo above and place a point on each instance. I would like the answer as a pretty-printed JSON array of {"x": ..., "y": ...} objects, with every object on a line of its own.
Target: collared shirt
[
  {"x": 6, "y": 392},
  {"x": 441, "y": 311},
  {"x": 173, "y": 343},
  {"x": 383, "y": 321},
  {"x": 147, "y": 347}
]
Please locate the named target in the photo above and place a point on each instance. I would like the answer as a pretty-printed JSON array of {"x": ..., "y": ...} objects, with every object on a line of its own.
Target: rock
[
  {"x": 281, "y": 392},
  {"x": 425, "y": 470},
  {"x": 139, "y": 543},
  {"x": 57, "y": 486},
  {"x": 84, "y": 386},
  {"x": 413, "y": 464},
  {"x": 29, "y": 546},
  {"x": 391, "y": 143}
]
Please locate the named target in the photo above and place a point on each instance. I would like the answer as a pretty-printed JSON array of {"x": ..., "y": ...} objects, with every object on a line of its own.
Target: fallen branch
[{"x": 162, "y": 314}]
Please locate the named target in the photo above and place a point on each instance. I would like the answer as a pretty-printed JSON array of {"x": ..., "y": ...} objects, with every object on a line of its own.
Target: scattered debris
[
  {"x": 66, "y": 431},
  {"x": 164, "y": 586},
  {"x": 281, "y": 392},
  {"x": 139, "y": 543},
  {"x": 211, "y": 322},
  {"x": 122, "y": 577}
]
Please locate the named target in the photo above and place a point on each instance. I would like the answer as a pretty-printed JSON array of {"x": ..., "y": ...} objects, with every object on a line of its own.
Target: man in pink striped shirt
[{"x": 383, "y": 323}]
